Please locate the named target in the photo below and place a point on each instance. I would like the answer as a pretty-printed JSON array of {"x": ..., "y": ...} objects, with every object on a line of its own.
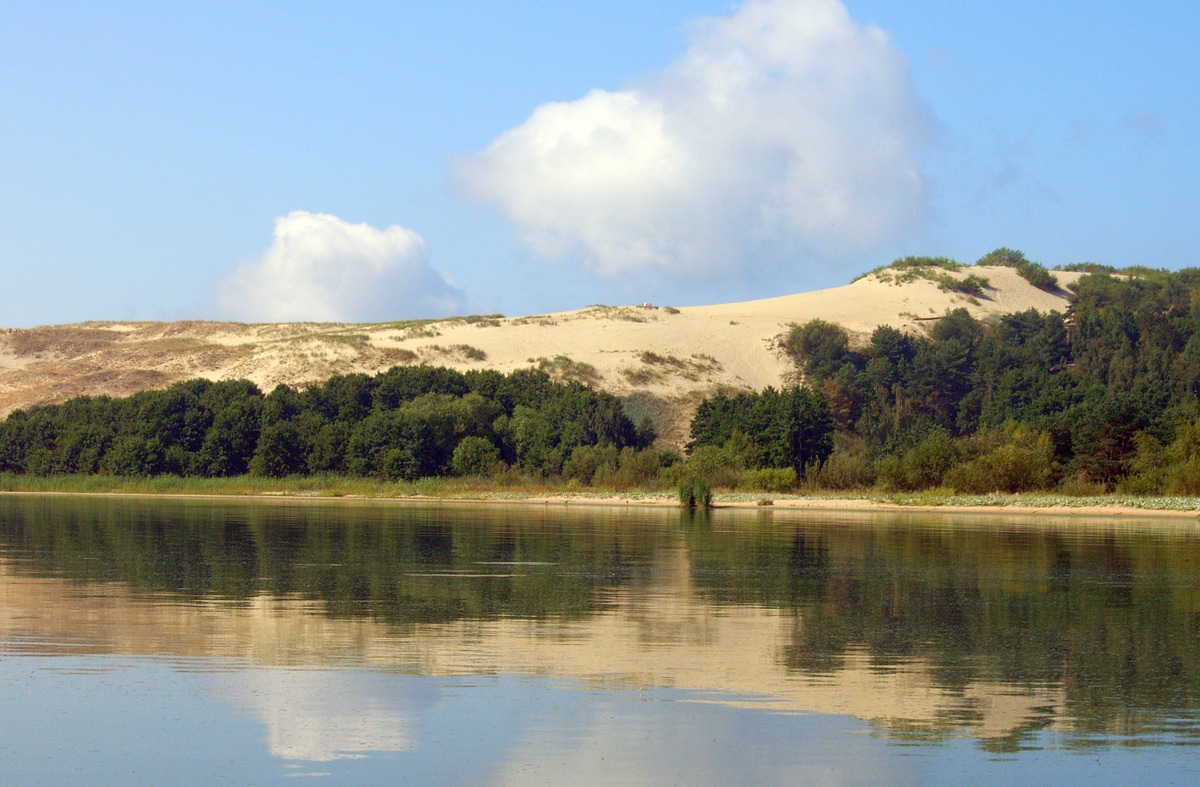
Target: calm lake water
[{"x": 187, "y": 641}]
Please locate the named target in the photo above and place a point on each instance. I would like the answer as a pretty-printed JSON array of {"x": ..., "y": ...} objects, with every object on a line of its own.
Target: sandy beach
[{"x": 1034, "y": 507}]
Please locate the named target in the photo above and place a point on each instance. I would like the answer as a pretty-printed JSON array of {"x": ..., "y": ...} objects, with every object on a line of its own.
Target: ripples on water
[{"x": 509, "y": 643}]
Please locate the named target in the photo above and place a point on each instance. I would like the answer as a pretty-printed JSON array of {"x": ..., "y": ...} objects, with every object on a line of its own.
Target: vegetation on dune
[
  {"x": 1099, "y": 400},
  {"x": 1033, "y": 272},
  {"x": 935, "y": 269},
  {"x": 1103, "y": 398}
]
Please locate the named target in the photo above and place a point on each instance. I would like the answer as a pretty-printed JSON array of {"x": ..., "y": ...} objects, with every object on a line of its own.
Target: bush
[
  {"x": 821, "y": 348},
  {"x": 971, "y": 285},
  {"x": 1081, "y": 486},
  {"x": 588, "y": 463},
  {"x": 640, "y": 468},
  {"x": 695, "y": 494},
  {"x": 923, "y": 466},
  {"x": 946, "y": 263},
  {"x": 715, "y": 466},
  {"x": 1023, "y": 463},
  {"x": 474, "y": 456},
  {"x": 1184, "y": 478},
  {"x": 280, "y": 452},
  {"x": 768, "y": 479},
  {"x": 1033, "y": 272},
  {"x": 848, "y": 467},
  {"x": 400, "y": 464},
  {"x": 1149, "y": 468}
]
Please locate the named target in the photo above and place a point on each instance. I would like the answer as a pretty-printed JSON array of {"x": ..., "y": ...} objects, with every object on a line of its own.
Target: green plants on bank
[
  {"x": 509, "y": 484},
  {"x": 695, "y": 493}
]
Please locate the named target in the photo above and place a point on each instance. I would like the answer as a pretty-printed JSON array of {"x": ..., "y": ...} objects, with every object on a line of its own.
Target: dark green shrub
[
  {"x": 280, "y": 452},
  {"x": 640, "y": 468},
  {"x": 1023, "y": 462},
  {"x": 1033, "y": 272},
  {"x": 972, "y": 285},
  {"x": 716, "y": 466},
  {"x": 588, "y": 462},
  {"x": 849, "y": 467},
  {"x": 821, "y": 348},
  {"x": 902, "y": 263},
  {"x": 474, "y": 456},
  {"x": 923, "y": 466},
  {"x": 400, "y": 464},
  {"x": 695, "y": 493}
]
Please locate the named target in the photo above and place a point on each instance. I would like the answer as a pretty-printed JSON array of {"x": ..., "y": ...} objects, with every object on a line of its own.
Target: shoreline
[{"x": 1003, "y": 506}]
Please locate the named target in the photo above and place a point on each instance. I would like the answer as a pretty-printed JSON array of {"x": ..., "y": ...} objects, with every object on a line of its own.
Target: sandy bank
[{"x": 1087, "y": 507}]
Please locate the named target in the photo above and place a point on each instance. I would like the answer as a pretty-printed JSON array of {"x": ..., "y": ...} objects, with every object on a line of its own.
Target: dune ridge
[{"x": 668, "y": 358}]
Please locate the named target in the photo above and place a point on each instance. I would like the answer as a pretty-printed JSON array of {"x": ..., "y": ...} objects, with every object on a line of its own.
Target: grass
[
  {"x": 564, "y": 369},
  {"x": 627, "y": 313},
  {"x": 935, "y": 269},
  {"x": 510, "y": 485},
  {"x": 479, "y": 320},
  {"x": 689, "y": 368},
  {"x": 538, "y": 319},
  {"x": 461, "y": 352},
  {"x": 1035, "y": 500},
  {"x": 505, "y": 485},
  {"x": 906, "y": 269},
  {"x": 642, "y": 376},
  {"x": 418, "y": 332},
  {"x": 357, "y": 340}
]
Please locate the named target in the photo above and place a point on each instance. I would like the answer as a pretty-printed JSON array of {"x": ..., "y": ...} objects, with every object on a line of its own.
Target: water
[{"x": 187, "y": 641}]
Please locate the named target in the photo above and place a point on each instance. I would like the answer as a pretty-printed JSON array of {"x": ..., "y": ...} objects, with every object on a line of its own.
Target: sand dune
[{"x": 670, "y": 357}]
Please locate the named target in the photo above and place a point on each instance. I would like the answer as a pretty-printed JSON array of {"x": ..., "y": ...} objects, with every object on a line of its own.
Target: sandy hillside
[{"x": 670, "y": 357}]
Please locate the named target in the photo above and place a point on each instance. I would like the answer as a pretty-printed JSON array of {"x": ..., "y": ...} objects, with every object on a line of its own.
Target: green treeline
[
  {"x": 406, "y": 423},
  {"x": 1101, "y": 398},
  {"x": 764, "y": 440}
]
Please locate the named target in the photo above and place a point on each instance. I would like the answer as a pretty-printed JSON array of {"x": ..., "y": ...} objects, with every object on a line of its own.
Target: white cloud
[
  {"x": 786, "y": 125},
  {"x": 323, "y": 269}
]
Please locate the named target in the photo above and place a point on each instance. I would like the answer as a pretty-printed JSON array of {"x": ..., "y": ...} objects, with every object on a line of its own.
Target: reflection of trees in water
[
  {"x": 1110, "y": 616},
  {"x": 403, "y": 565},
  {"x": 1113, "y": 616}
]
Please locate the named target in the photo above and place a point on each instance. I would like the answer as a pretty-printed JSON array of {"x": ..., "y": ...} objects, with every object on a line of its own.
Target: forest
[
  {"x": 406, "y": 423},
  {"x": 1100, "y": 399}
]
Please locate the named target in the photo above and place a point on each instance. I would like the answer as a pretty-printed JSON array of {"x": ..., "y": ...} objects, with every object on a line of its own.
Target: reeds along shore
[{"x": 531, "y": 492}]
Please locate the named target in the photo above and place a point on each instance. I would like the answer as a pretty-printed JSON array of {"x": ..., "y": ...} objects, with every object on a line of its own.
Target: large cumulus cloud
[
  {"x": 323, "y": 269},
  {"x": 786, "y": 125}
]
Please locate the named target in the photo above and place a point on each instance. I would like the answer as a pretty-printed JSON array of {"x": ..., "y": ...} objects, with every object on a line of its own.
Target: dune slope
[{"x": 666, "y": 359}]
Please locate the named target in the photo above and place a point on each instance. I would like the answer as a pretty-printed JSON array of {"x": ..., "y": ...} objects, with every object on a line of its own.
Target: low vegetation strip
[
  {"x": 330, "y": 487},
  {"x": 1096, "y": 407}
]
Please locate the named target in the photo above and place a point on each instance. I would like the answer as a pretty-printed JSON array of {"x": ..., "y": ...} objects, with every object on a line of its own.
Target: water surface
[{"x": 185, "y": 640}]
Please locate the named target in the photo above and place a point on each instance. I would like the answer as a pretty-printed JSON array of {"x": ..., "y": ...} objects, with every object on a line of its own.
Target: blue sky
[{"x": 374, "y": 160}]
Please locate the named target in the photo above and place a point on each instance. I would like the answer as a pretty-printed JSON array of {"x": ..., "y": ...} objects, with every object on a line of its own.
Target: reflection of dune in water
[{"x": 662, "y": 635}]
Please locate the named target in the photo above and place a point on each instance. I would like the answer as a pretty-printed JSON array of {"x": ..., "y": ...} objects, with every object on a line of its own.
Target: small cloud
[
  {"x": 785, "y": 126},
  {"x": 320, "y": 268},
  {"x": 1147, "y": 125},
  {"x": 1079, "y": 132}
]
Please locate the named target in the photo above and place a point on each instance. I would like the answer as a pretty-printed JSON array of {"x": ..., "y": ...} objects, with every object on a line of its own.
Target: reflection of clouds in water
[
  {"x": 319, "y": 715},
  {"x": 659, "y": 742}
]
